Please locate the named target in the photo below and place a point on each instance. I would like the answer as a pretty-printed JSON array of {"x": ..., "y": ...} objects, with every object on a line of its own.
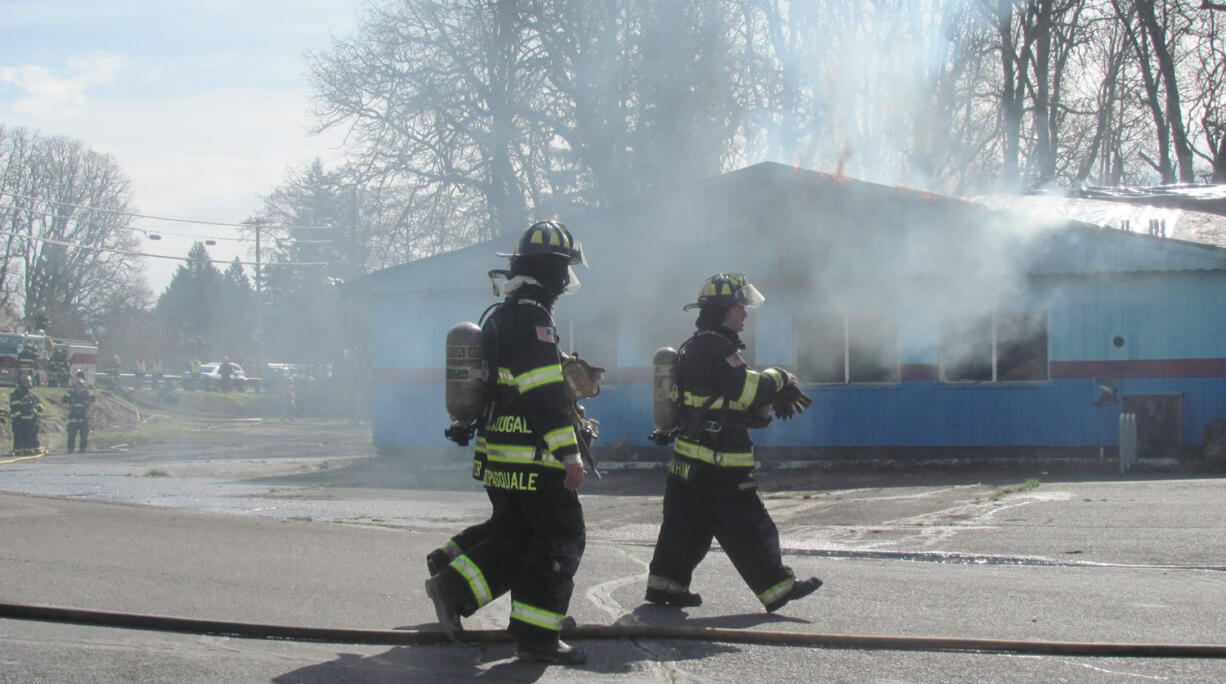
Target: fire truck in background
[{"x": 82, "y": 355}]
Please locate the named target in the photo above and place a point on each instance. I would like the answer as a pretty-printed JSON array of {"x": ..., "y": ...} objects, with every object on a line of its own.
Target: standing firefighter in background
[
  {"x": 710, "y": 490},
  {"x": 24, "y": 409},
  {"x": 78, "y": 399},
  {"x": 226, "y": 371},
  {"x": 27, "y": 361},
  {"x": 113, "y": 369},
  {"x": 57, "y": 367},
  {"x": 535, "y": 538}
]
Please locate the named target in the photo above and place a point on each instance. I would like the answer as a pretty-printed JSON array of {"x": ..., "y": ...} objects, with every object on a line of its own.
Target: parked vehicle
[{"x": 210, "y": 376}]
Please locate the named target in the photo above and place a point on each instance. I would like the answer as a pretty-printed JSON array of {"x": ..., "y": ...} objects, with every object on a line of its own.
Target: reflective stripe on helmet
[
  {"x": 549, "y": 237},
  {"x": 727, "y": 289}
]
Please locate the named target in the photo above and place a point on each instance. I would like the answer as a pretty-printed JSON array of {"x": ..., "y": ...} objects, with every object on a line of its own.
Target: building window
[
  {"x": 872, "y": 348},
  {"x": 836, "y": 348},
  {"x": 1009, "y": 346},
  {"x": 966, "y": 350},
  {"x": 821, "y": 348},
  {"x": 1021, "y": 345}
]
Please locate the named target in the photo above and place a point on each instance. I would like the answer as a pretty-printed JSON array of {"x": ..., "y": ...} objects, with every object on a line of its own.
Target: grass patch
[
  {"x": 227, "y": 404},
  {"x": 155, "y": 472},
  {"x": 170, "y": 431},
  {"x": 1029, "y": 484}
]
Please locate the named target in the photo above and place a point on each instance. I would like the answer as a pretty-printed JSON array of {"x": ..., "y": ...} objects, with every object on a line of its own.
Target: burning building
[{"x": 918, "y": 323}]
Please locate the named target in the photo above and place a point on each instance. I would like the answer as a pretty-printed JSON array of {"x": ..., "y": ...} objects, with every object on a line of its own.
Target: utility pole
[{"x": 259, "y": 303}]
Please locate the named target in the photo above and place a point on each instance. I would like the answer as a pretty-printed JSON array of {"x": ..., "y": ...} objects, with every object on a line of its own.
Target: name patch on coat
[
  {"x": 520, "y": 482},
  {"x": 510, "y": 423}
]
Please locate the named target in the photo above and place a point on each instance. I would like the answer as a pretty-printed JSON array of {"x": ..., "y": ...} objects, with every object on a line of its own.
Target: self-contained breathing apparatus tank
[
  {"x": 665, "y": 396},
  {"x": 464, "y": 388}
]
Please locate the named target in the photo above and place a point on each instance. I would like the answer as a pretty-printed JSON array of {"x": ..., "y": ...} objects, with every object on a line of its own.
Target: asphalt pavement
[{"x": 302, "y": 525}]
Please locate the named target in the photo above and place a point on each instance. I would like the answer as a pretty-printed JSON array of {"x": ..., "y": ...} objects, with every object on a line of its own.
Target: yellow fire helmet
[
  {"x": 549, "y": 237},
  {"x": 727, "y": 289}
]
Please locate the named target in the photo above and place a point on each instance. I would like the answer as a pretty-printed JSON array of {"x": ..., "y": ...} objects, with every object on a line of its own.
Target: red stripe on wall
[
  {"x": 908, "y": 372},
  {"x": 1149, "y": 368}
]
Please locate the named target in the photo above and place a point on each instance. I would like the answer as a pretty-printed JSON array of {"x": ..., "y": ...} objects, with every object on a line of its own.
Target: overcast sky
[{"x": 204, "y": 105}]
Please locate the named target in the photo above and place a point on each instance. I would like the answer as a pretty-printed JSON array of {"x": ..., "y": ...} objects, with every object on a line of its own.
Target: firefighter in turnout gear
[
  {"x": 78, "y": 400},
  {"x": 27, "y": 361},
  {"x": 24, "y": 409},
  {"x": 535, "y": 538},
  {"x": 58, "y": 366},
  {"x": 710, "y": 491}
]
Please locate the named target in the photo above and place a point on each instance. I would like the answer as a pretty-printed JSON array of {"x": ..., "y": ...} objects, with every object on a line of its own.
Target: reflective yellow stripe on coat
[{"x": 698, "y": 452}]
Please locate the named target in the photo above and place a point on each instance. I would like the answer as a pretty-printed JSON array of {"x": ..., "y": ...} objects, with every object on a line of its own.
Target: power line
[
  {"x": 45, "y": 213},
  {"x": 157, "y": 218},
  {"x": 78, "y": 245},
  {"x": 114, "y": 250}
]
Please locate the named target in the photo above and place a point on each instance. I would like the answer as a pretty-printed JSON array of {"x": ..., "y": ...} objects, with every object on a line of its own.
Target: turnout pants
[
  {"x": 25, "y": 435},
  {"x": 531, "y": 548},
  {"x": 470, "y": 536},
  {"x": 719, "y": 503},
  {"x": 75, "y": 428}
]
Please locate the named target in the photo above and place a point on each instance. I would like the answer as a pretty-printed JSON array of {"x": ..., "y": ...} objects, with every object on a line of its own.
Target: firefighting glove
[
  {"x": 580, "y": 378},
  {"x": 790, "y": 400}
]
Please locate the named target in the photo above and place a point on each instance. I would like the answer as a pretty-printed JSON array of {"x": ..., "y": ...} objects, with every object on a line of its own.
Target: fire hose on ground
[{"x": 390, "y": 637}]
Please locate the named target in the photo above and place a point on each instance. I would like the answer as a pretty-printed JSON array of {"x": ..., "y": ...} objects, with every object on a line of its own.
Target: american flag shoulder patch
[
  {"x": 734, "y": 359},
  {"x": 545, "y": 334}
]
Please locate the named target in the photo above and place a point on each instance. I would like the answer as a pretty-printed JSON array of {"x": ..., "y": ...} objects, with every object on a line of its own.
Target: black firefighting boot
[
  {"x": 799, "y": 589},
  {"x": 554, "y": 653},
  {"x": 681, "y": 599},
  {"x": 447, "y": 611},
  {"x": 436, "y": 560}
]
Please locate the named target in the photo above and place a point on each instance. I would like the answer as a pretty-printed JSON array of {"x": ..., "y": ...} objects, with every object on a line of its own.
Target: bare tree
[
  {"x": 1156, "y": 32},
  {"x": 68, "y": 242},
  {"x": 1102, "y": 156},
  {"x": 1208, "y": 102},
  {"x": 433, "y": 94},
  {"x": 468, "y": 117},
  {"x": 471, "y": 117},
  {"x": 1165, "y": 36}
]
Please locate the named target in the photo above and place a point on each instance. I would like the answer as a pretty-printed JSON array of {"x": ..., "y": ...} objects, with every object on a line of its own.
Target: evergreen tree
[{"x": 192, "y": 307}]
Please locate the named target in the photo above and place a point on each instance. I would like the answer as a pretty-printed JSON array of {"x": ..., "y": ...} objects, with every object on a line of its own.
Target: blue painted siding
[
  {"x": 408, "y": 416},
  {"x": 1160, "y": 316},
  {"x": 917, "y": 414}
]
